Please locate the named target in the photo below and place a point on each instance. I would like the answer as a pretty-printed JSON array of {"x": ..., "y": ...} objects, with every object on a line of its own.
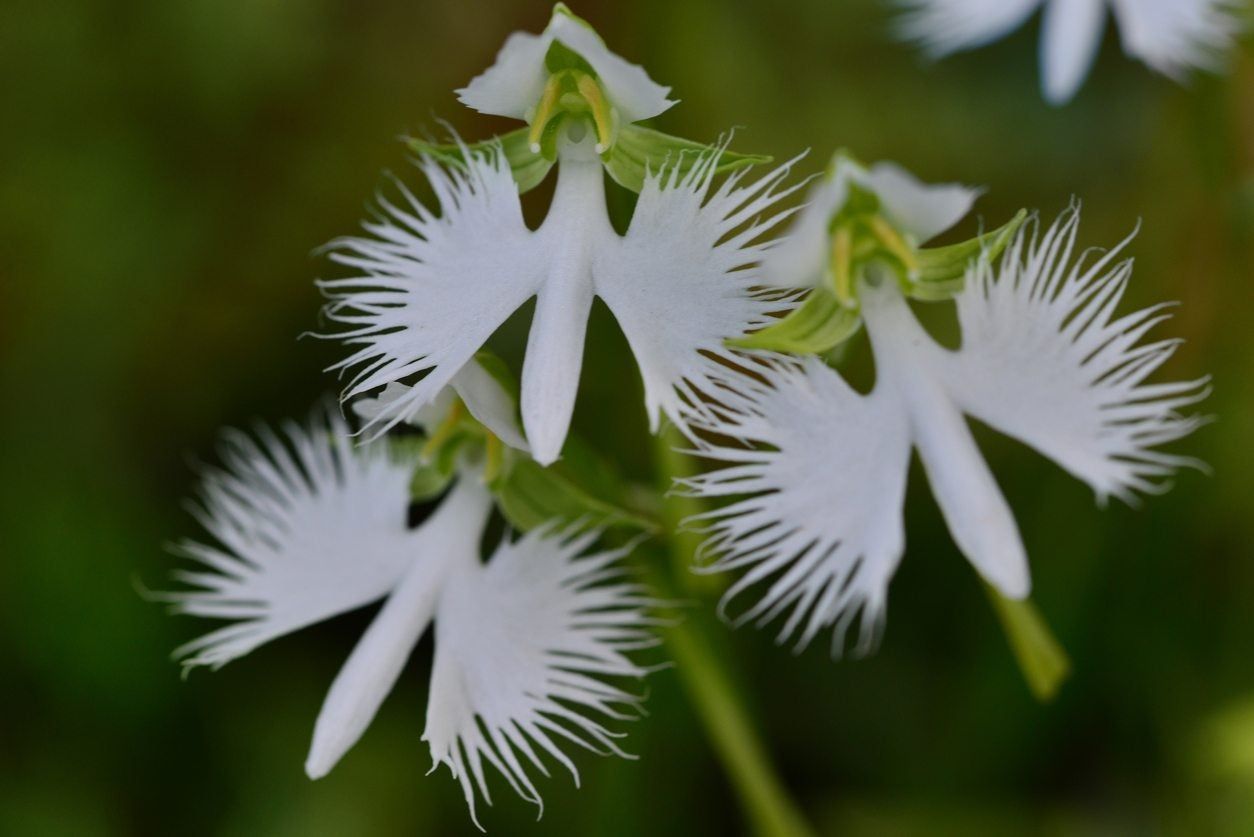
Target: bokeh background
[{"x": 167, "y": 169}]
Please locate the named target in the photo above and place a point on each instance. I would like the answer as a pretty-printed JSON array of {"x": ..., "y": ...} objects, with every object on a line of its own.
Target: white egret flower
[
  {"x": 1044, "y": 359},
  {"x": 1171, "y": 36},
  {"x": 429, "y": 290},
  {"x": 316, "y": 525}
]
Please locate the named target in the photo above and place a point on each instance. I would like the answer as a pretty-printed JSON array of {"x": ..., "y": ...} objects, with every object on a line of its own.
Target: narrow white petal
[
  {"x": 428, "y": 291},
  {"x": 1071, "y": 33},
  {"x": 514, "y": 82},
  {"x": 923, "y": 210},
  {"x": 577, "y": 227},
  {"x": 634, "y": 94},
  {"x": 974, "y": 508},
  {"x": 685, "y": 278},
  {"x": 447, "y": 541},
  {"x": 523, "y": 645},
  {"x": 550, "y": 376},
  {"x": 799, "y": 259},
  {"x": 819, "y": 514},
  {"x": 1045, "y": 359},
  {"x": 489, "y": 403},
  {"x": 306, "y": 528},
  {"x": 1173, "y": 36},
  {"x": 945, "y": 26}
]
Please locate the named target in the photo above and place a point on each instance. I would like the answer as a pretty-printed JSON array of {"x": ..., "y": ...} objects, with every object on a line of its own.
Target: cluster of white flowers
[{"x": 730, "y": 330}]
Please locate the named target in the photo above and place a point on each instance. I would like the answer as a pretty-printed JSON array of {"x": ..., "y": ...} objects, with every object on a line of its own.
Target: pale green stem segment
[
  {"x": 766, "y": 802},
  {"x": 1041, "y": 657}
]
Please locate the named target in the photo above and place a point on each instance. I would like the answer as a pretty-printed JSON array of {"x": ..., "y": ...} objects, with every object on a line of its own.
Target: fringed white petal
[
  {"x": 946, "y": 26},
  {"x": 1071, "y": 34},
  {"x": 306, "y": 528},
  {"x": 523, "y": 645},
  {"x": 685, "y": 279},
  {"x": 429, "y": 290},
  {"x": 515, "y": 81},
  {"x": 447, "y": 541},
  {"x": 1046, "y": 359},
  {"x": 818, "y": 501},
  {"x": 1174, "y": 36}
]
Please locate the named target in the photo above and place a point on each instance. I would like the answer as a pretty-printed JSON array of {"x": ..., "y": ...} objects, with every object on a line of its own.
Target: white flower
[
  {"x": 429, "y": 290},
  {"x": 514, "y": 85},
  {"x": 1172, "y": 36},
  {"x": 317, "y": 525},
  {"x": 921, "y": 211},
  {"x": 1044, "y": 359}
]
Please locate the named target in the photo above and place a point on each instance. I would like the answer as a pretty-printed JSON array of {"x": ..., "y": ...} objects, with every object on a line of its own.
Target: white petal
[
  {"x": 1071, "y": 33},
  {"x": 1045, "y": 359},
  {"x": 684, "y": 279},
  {"x": 576, "y": 228},
  {"x": 923, "y": 210},
  {"x": 799, "y": 259},
  {"x": 976, "y": 512},
  {"x": 430, "y": 290},
  {"x": 522, "y": 645},
  {"x": 445, "y": 542},
  {"x": 489, "y": 403},
  {"x": 306, "y": 529},
  {"x": 823, "y": 514},
  {"x": 514, "y": 82},
  {"x": 1173, "y": 36},
  {"x": 371, "y": 407},
  {"x": 945, "y": 26},
  {"x": 634, "y": 94}
]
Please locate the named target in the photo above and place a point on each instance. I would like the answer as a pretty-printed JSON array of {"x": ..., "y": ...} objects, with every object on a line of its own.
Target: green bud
[{"x": 1041, "y": 658}]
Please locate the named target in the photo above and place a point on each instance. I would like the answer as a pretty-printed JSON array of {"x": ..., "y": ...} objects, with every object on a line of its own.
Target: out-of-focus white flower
[
  {"x": 316, "y": 525},
  {"x": 1172, "y": 36},
  {"x": 1044, "y": 359}
]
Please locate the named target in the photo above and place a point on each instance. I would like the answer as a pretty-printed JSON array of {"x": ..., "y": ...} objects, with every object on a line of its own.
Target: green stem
[{"x": 707, "y": 682}]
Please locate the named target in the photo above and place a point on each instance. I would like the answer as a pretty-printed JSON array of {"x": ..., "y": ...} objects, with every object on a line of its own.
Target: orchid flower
[
  {"x": 1044, "y": 359},
  {"x": 1171, "y": 36},
  {"x": 428, "y": 290},
  {"x": 316, "y": 525}
]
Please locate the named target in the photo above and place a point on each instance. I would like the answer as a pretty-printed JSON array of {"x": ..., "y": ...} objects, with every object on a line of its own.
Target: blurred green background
[{"x": 168, "y": 168}]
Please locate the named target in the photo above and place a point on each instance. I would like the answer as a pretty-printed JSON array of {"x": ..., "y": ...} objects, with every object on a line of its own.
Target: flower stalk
[{"x": 705, "y": 679}]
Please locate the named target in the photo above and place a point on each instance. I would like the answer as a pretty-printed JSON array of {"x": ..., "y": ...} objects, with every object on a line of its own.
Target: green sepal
[
  {"x": 942, "y": 270},
  {"x": 579, "y": 488},
  {"x": 528, "y": 167},
  {"x": 1041, "y": 657},
  {"x": 817, "y": 325},
  {"x": 637, "y": 151}
]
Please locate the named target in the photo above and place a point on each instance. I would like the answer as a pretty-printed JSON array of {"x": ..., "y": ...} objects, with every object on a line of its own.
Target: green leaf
[
  {"x": 528, "y": 167},
  {"x": 943, "y": 269},
  {"x": 638, "y": 150},
  {"x": 1041, "y": 657},
  {"x": 529, "y": 495},
  {"x": 815, "y": 326}
]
